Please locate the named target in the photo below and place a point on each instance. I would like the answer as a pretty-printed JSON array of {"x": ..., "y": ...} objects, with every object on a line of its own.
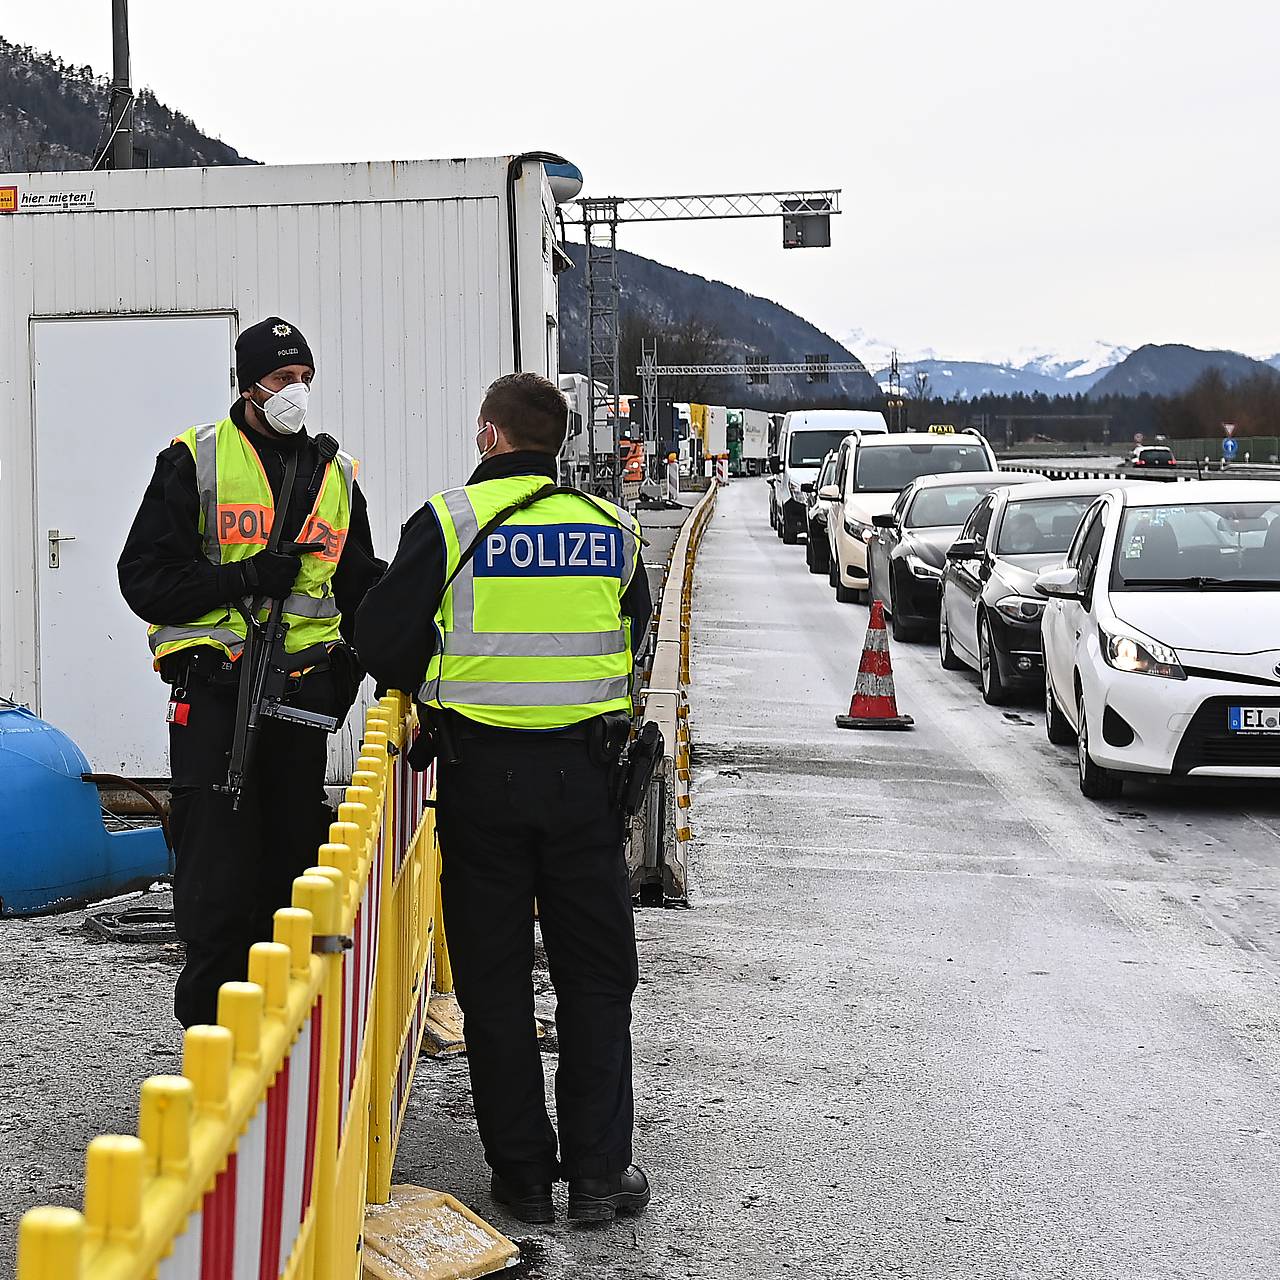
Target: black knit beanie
[{"x": 269, "y": 345}]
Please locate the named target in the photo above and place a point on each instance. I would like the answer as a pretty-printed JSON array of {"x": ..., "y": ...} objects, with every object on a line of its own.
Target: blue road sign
[{"x": 1230, "y": 447}]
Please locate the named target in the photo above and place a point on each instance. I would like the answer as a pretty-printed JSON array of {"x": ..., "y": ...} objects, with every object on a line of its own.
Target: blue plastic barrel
[{"x": 55, "y": 852}]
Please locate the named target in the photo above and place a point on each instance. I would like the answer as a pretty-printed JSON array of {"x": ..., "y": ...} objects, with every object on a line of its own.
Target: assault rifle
[{"x": 264, "y": 682}]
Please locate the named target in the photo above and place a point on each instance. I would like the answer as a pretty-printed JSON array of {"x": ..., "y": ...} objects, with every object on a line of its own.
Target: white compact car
[
  {"x": 1162, "y": 634},
  {"x": 870, "y": 473}
]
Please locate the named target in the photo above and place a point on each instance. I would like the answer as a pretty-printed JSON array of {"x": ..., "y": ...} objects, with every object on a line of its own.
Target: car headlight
[
  {"x": 1020, "y": 608},
  {"x": 1140, "y": 655},
  {"x": 919, "y": 569},
  {"x": 863, "y": 532}
]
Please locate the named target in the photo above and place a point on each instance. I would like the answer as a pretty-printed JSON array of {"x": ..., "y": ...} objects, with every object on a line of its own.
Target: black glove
[{"x": 271, "y": 574}]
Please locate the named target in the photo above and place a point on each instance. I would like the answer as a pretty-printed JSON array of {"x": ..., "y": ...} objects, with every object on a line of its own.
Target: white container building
[{"x": 415, "y": 283}]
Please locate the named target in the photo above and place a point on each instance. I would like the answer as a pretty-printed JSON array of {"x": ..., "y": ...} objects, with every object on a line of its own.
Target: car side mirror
[
  {"x": 807, "y": 487},
  {"x": 1060, "y": 584},
  {"x": 829, "y": 493},
  {"x": 775, "y": 466},
  {"x": 884, "y": 520},
  {"x": 962, "y": 549}
]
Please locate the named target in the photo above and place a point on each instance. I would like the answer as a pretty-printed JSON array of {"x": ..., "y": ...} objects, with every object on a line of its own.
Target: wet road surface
[{"x": 932, "y": 1014}]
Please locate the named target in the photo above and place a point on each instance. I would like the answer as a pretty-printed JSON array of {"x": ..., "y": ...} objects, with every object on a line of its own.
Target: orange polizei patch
[
  {"x": 244, "y": 524},
  {"x": 317, "y": 530}
]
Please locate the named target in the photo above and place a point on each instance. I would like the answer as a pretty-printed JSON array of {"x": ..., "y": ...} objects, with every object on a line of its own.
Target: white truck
[
  {"x": 755, "y": 441},
  {"x": 416, "y": 284},
  {"x": 716, "y": 437}
]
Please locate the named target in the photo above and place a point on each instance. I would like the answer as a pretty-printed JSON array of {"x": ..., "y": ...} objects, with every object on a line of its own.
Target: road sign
[
  {"x": 1229, "y": 428},
  {"x": 1230, "y": 448}
]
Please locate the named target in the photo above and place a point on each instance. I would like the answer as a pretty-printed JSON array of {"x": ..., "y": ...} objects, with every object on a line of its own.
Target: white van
[{"x": 807, "y": 436}]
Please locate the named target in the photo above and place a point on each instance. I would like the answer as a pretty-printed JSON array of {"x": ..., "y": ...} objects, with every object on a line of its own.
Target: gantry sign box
[{"x": 124, "y": 292}]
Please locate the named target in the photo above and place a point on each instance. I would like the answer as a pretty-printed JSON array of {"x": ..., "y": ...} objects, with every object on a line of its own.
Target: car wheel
[
  {"x": 773, "y": 516},
  {"x": 845, "y": 595},
  {"x": 993, "y": 689},
  {"x": 790, "y": 534},
  {"x": 946, "y": 654},
  {"x": 833, "y": 572},
  {"x": 1096, "y": 783},
  {"x": 900, "y": 630},
  {"x": 1056, "y": 726}
]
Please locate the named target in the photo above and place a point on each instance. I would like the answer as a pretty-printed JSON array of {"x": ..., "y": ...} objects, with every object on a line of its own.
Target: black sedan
[
  {"x": 906, "y": 555},
  {"x": 990, "y": 615}
]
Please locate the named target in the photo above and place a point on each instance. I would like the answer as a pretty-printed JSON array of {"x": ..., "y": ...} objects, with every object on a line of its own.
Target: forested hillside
[{"x": 53, "y": 116}]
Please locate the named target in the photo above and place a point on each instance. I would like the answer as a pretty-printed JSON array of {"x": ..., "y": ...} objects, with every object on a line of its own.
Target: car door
[
  {"x": 1063, "y": 623},
  {"x": 965, "y": 580},
  {"x": 835, "y": 512},
  {"x": 880, "y": 548}
]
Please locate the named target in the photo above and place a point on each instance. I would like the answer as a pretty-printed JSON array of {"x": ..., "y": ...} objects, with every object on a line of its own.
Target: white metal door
[{"x": 110, "y": 393}]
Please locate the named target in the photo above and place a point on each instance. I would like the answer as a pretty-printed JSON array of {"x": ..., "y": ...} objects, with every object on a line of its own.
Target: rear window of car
[
  {"x": 1155, "y": 455},
  {"x": 950, "y": 504},
  {"x": 890, "y": 467},
  {"x": 808, "y": 448},
  {"x": 1041, "y": 526}
]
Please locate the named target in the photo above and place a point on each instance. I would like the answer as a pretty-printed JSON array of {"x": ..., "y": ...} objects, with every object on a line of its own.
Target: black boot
[
  {"x": 528, "y": 1201},
  {"x": 598, "y": 1199}
]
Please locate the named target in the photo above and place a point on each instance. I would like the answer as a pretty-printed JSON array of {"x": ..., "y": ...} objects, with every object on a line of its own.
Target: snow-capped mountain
[{"x": 1029, "y": 371}]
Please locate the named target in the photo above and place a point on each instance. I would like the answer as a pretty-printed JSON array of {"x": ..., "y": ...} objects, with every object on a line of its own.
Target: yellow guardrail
[
  {"x": 259, "y": 1159},
  {"x": 667, "y": 704}
]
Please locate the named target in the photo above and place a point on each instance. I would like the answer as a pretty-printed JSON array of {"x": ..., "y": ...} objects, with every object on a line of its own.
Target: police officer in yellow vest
[
  {"x": 517, "y": 632},
  {"x": 196, "y": 554}
]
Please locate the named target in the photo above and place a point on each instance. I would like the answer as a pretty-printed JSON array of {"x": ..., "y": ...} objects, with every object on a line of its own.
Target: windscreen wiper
[{"x": 1203, "y": 582}]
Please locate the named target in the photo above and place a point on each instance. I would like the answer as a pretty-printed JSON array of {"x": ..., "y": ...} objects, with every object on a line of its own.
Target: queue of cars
[{"x": 1146, "y": 615}]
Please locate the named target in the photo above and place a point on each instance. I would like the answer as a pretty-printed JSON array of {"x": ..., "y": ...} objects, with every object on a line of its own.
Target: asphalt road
[{"x": 932, "y": 1014}]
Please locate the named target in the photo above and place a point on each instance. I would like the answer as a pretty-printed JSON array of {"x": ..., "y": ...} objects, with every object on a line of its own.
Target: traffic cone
[{"x": 874, "y": 705}]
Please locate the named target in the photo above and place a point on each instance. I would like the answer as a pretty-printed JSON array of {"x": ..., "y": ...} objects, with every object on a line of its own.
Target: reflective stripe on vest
[
  {"x": 237, "y": 509},
  {"x": 561, "y": 560}
]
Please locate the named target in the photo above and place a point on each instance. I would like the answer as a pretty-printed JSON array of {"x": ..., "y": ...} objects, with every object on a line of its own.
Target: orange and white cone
[{"x": 874, "y": 705}]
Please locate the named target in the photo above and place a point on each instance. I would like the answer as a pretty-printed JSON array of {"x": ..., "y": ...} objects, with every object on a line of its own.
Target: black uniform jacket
[
  {"x": 166, "y": 578},
  {"x": 394, "y": 630}
]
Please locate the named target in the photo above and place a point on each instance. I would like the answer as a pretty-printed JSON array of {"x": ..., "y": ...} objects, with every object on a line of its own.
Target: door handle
[{"x": 55, "y": 539}]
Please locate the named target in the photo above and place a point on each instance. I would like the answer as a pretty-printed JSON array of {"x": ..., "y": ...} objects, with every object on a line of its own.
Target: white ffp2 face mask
[{"x": 286, "y": 410}]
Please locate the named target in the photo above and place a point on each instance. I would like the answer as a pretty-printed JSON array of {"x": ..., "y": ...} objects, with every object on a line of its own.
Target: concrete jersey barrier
[{"x": 659, "y": 841}]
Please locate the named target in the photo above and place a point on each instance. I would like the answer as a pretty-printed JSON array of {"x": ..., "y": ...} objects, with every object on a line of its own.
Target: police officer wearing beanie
[
  {"x": 517, "y": 633},
  {"x": 196, "y": 555}
]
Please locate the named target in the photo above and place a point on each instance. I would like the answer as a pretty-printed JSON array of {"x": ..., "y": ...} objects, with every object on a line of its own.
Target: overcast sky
[{"x": 1015, "y": 174}]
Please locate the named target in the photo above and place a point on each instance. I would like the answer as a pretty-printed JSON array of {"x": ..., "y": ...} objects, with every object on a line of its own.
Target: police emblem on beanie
[{"x": 268, "y": 345}]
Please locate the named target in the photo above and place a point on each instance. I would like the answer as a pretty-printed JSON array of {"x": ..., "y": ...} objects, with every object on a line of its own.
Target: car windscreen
[
  {"x": 890, "y": 467},
  {"x": 808, "y": 448},
  {"x": 948, "y": 504},
  {"x": 1155, "y": 455},
  {"x": 1041, "y": 526},
  {"x": 1198, "y": 546}
]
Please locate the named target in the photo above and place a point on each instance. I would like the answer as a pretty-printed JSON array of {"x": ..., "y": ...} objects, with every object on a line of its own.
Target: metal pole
[
  {"x": 649, "y": 394},
  {"x": 615, "y": 288},
  {"x": 121, "y": 92}
]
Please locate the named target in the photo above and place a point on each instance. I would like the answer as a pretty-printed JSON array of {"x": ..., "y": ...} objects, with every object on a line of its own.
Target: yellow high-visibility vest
[
  {"x": 237, "y": 509},
  {"x": 530, "y": 633}
]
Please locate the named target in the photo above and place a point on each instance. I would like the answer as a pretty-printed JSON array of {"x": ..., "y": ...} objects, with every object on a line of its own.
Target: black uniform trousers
[
  {"x": 234, "y": 869},
  {"x": 524, "y": 816}
]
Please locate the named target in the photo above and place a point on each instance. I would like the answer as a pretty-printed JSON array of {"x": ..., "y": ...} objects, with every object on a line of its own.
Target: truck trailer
[{"x": 415, "y": 283}]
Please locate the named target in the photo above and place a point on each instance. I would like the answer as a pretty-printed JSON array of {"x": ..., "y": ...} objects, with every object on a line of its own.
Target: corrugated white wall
[{"x": 405, "y": 301}]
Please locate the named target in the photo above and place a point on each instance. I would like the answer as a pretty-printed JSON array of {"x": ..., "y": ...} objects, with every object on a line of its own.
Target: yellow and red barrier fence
[{"x": 257, "y": 1162}]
